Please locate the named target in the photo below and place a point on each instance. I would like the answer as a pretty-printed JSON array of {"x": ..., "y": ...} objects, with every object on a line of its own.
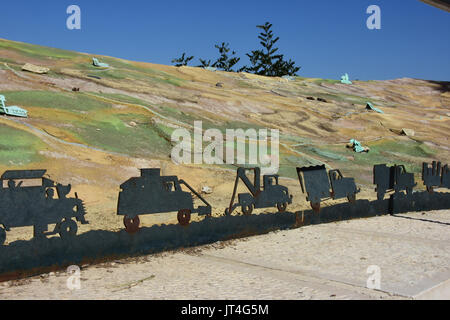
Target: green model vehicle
[{"x": 12, "y": 110}]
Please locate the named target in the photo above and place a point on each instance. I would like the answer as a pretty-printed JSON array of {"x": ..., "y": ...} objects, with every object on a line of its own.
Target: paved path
[{"x": 327, "y": 261}]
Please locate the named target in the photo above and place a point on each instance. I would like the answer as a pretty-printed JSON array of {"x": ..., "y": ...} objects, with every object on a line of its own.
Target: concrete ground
[{"x": 328, "y": 261}]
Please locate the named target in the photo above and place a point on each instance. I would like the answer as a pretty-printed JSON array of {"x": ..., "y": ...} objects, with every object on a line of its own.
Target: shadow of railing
[
  {"x": 25, "y": 258},
  {"x": 423, "y": 220}
]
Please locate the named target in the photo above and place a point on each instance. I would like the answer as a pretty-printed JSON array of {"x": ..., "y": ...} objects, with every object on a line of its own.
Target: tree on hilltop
[{"x": 265, "y": 61}]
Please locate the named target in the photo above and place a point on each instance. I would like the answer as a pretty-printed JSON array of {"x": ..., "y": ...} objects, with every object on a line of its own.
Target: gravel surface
[{"x": 326, "y": 261}]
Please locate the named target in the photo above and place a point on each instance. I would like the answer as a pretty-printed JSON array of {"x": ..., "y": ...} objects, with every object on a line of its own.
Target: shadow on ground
[{"x": 24, "y": 258}]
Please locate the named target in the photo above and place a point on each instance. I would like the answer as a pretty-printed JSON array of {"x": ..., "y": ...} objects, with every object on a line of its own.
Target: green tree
[
  {"x": 265, "y": 61},
  {"x": 182, "y": 61},
  {"x": 204, "y": 63},
  {"x": 224, "y": 62}
]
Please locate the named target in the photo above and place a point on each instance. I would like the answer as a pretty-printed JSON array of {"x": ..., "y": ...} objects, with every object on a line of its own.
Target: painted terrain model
[{"x": 123, "y": 118}]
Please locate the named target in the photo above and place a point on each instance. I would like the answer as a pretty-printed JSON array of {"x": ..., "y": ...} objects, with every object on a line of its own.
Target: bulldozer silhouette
[{"x": 38, "y": 205}]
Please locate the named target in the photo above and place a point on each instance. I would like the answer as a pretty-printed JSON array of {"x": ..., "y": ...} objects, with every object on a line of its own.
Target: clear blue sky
[{"x": 326, "y": 37}]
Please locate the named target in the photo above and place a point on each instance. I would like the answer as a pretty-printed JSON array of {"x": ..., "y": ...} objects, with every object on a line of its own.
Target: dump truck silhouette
[
  {"x": 152, "y": 193},
  {"x": 38, "y": 205},
  {"x": 316, "y": 183},
  {"x": 393, "y": 178},
  {"x": 270, "y": 195}
]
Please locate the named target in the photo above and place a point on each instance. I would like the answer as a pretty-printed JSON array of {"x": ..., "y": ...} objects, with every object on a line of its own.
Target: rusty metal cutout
[
  {"x": 436, "y": 176},
  {"x": 152, "y": 193},
  {"x": 29, "y": 198},
  {"x": 319, "y": 186},
  {"x": 394, "y": 178},
  {"x": 270, "y": 194}
]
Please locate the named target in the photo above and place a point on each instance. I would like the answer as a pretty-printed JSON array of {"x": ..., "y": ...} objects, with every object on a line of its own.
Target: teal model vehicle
[
  {"x": 11, "y": 110},
  {"x": 99, "y": 64},
  {"x": 345, "y": 79}
]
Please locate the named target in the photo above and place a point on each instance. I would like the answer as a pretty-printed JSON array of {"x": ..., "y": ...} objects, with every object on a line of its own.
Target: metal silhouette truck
[
  {"x": 394, "y": 178},
  {"x": 315, "y": 182},
  {"x": 436, "y": 176},
  {"x": 28, "y": 204},
  {"x": 152, "y": 193},
  {"x": 270, "y": 195}
]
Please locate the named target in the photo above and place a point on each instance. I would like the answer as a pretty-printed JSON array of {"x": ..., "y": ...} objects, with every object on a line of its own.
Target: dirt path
[{"x": 315, "y": 262}]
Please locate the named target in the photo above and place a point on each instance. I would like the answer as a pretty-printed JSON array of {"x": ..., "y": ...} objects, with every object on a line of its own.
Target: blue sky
[{"x": 326, "y": 37}]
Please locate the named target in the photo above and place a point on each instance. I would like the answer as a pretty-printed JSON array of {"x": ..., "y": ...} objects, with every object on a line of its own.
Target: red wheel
[
  {"x": 184, "y": 217},
  {"x": 315, "y": 206},
  {"x": 131, "y": 225}
]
